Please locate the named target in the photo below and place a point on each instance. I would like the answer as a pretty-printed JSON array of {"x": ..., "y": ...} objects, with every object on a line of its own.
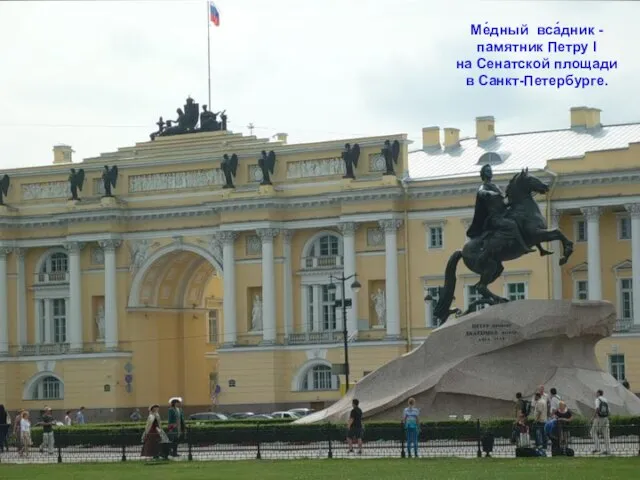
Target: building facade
[{"x": 177, "y": 286}]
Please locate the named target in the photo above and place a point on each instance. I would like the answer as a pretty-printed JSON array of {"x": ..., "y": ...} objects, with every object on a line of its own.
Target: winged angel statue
[
  {"x": 229, "y": 167},
  {"x": 267, "y": 162},
  {"x": 4, "y": 187},
  {"x": 390, "y": 152},
  {"x": 350, "y": 155},
  {"x": 76, "y": 180},
  {"x": 109, "y": 179}
]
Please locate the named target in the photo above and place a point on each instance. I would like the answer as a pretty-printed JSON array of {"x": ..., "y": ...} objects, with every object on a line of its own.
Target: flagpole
[{"x": 209, "y": 50}]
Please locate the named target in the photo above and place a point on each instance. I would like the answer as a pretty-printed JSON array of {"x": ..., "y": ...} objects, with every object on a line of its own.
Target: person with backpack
[
  {"x": 600, "y": 425},
  {"x": 523, "y": 407},
  {"x": 411, "y": 422}
]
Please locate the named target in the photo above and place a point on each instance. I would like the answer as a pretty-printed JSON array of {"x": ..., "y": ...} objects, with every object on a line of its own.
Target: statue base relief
[
  {"x": 266, "y": 190},
  {"x": 226, "y": 192},
  {"x": 346, "y": 183},
  {"x": 389, "y": 180},
  {"x": 7, "y": 210},
  {"x": 72, "y": 203},
  {"x": 108, "y": 201},
  {"x": 475, "y": 364}
]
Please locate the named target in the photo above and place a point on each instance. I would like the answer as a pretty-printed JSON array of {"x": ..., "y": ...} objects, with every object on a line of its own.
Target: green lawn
[{"x": 395, "y": 469}]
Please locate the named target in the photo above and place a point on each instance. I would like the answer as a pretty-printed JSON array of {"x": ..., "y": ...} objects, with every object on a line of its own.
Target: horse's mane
[{"x": 516, "y": 180}]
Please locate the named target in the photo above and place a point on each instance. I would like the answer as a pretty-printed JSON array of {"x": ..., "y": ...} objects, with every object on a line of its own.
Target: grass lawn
[{"x": 395, "y": 469}]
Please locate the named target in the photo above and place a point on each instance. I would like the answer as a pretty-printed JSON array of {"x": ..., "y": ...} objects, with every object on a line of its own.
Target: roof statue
[
  {"x": 229, "y": 167},
  {"x": 5, "y": 181},
  {"x": 500, "y": 231},
  {"x": 391, "y": 153},
  {"x": 109, "y": 179},
  {"x": 76, "y": 180},
  {"x": 350, "y": 155},
  {"x": 267, "y": 162},
  {"x": 187, "y": 121}
]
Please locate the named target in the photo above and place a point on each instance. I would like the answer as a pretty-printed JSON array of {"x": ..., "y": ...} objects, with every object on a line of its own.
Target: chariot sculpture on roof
[{"x": 187, "y": 121}]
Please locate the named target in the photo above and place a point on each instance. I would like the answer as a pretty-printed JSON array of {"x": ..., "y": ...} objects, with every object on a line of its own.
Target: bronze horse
[{"x": 484, "y": 255}]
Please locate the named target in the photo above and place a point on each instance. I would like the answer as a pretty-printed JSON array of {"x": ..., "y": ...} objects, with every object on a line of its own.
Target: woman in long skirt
[{"x": 154, "y": 440}]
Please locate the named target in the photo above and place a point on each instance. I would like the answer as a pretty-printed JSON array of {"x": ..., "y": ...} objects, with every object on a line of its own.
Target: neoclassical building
[{"x": 177, "y": 286}]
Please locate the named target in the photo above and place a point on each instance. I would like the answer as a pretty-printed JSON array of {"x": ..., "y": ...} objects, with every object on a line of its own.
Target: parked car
[
  {"x": 302, "y": 412},
  {"x": 261, "y": 416},
  {"x": 241, "y": 415},
  {"x": 208, "y": 416},
  {"x": 289, "y": 415}
]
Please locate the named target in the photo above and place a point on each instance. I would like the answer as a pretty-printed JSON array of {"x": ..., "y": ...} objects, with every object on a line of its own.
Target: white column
[
  {"x": 349, "y": 245},
  {"x": 230, "y": 335},
  {"x": 4, "y": 307},
  {"x": 75, "y": 292},
  {"x": 110, "y": 294},
  {"x": 47, "y": 335},
  {"x": 555, "y": 259},
  {"x": 634, "y": 212},
  {"x": 21, "y": 298},
  {"x": 592, "y": 216},
  {"x": 268, "y": 286},
  {"x": 318, "y": 320},
  {"x": 392, "y": 294},
  {"x": 288, "y": 283}
]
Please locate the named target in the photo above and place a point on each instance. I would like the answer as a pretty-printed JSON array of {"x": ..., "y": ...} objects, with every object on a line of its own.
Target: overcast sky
[{"x": 97, "y": 74}]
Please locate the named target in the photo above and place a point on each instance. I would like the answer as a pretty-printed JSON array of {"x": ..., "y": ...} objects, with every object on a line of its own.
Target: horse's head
[{"x": 523, "y": 184}]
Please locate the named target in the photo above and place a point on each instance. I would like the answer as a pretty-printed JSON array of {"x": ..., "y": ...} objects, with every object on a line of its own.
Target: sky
[{"x": 96, "y": 75}]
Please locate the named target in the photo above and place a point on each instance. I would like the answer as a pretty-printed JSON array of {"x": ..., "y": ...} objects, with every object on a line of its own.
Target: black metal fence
[{"x": 278, "y": 441}]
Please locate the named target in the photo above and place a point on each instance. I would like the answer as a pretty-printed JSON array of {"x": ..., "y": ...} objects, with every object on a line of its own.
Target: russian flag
[{"x": 214, "y": 16}]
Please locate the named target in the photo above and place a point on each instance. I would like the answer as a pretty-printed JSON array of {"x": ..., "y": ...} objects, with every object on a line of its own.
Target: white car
[
  {"x": 289, "y": 415},
  {"x": 302, "y": 412}
]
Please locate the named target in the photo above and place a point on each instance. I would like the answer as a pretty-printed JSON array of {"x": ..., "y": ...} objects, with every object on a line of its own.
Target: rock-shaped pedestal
[{"x": 475, "y": 364}]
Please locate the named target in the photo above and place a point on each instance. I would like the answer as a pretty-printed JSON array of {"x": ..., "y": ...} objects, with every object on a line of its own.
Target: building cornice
[{"x": 333, "y": 199}]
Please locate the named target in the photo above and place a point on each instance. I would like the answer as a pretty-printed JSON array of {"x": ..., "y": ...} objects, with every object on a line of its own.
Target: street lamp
[{"x": 345, "y": 302}]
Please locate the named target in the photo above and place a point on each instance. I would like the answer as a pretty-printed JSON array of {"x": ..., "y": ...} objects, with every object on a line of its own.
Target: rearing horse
[{"x": 484, "y": 255}]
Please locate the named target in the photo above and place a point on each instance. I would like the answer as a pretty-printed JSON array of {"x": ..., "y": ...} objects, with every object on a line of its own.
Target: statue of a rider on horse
[{"x": 500, "y": 231}]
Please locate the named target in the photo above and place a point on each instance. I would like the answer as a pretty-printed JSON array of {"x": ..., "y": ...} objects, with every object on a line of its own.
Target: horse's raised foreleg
[{"x": 552, "y": 236}]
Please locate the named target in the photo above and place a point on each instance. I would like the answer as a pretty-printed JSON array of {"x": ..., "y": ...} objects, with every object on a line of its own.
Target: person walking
[
  {"x": 600, "y": 424},
  {"x": 176, "y": 427},
  {"x": 354, "y": 426},
  {"x": 155, "y": 442},
  {"x": 25, "y": 434},
  {"x": 411, "y": 422},
  {"x": 5, "y": 423},
  {"x": 47, "y": 423}
]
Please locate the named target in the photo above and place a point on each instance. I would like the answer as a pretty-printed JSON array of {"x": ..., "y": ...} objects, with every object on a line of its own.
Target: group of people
[
  {"x": 20, "y": 429},
  {"x": 410, "y": 422},
  {"x": 550, "y": 418},
  {"x": 156, "y": 443}
]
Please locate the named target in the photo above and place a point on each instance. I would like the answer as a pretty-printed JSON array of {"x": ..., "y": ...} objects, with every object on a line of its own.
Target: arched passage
[{"x": 175, "y": 276}]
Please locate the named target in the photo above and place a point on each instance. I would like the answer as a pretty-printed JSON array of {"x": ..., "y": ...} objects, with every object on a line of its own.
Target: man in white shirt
[
  {"x": 600, "y": 425},
  {"x": 544, "y": 397},
  {"x": 540, "y": 418}
]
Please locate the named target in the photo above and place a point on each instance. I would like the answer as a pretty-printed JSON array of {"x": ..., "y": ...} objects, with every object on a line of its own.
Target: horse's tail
[{"x": 442, "y": 309}]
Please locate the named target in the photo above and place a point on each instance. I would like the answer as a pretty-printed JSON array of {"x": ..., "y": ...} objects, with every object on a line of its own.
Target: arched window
[
  {"x": 325, "y": 251},
  {"x": 55, "y": 267},
  {"x": 319, "y": 377},
  {"x": 47, "y": 388}
]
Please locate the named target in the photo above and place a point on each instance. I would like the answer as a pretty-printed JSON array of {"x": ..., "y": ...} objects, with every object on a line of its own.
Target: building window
[
  {"x": 49, "y": 388},
  {"x": 59, "y": 320},
  {"x": 328, "y": 309},
  {"x": 213, "y": 326},
  {"x": 310, "y": 309},
  {"x": 624, "y": 228},
  {"x": 472, "y": 296},
  {"x": 55, "y": 268},
  {"x": 320, "y": 377},
  {"x": 626, "y": 298},
  {"x": 582, "y": 290},
  {"x": 435, "y": 237},
  {"x": 326, "y": 251},
  {"x": 434, "y": 293},
  {"x": 516, "y": 291},
  {"x": 616, "y": 367},
  {"x": 581, "y": 231}
]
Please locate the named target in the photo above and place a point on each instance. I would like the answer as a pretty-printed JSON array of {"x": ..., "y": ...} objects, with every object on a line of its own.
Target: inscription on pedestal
[{"x": 487, "y": 333}]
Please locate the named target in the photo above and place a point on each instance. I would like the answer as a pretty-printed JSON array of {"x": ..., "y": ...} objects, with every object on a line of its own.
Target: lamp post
[{"x": 345, "y": 302}]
